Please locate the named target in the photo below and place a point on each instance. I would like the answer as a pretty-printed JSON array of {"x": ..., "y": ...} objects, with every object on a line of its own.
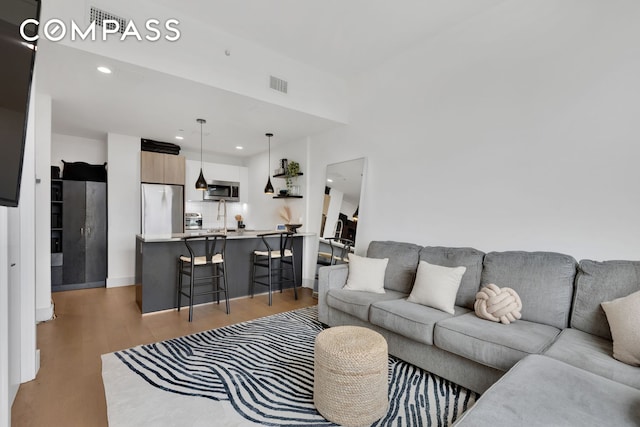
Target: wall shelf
[
  {"x": 282, "y": 175},
  {"x": 287, "y": 197}
]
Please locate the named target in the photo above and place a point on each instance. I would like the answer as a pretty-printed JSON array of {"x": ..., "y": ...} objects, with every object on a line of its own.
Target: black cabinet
[{"x": 84, "y": 235}]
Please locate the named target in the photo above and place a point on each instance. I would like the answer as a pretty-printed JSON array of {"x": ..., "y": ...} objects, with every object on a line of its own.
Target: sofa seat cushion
[
  {"x": 414, "y": 321},
  {"x": 594, "y": 354},
  {"x": 357, "y": 303},
  {"x": 541, "y": 391},
  {"x": 492, "y": 344}
]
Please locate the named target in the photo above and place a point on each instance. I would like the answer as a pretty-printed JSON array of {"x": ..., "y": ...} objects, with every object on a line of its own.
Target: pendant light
[
  {"x": 268, "y": 189},
  {"x": 201, "y": 183}
]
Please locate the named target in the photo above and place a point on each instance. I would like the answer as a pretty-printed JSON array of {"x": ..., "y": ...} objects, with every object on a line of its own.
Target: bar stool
[
  {"x": 277, "y": 261},
  {"x": 340, "y": 249},
  {"x": 214, "y": 247}
]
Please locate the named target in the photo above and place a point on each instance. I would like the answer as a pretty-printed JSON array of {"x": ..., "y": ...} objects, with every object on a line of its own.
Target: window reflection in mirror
[{"x": 341, "y": 204}]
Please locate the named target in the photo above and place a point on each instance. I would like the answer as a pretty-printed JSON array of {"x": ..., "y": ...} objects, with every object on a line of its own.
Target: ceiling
[
  {"x": 154, "y": 105},
  {"x": 344, "y": 38}
]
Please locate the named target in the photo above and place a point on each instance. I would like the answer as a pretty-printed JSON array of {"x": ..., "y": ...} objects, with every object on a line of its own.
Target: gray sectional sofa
[{"x": 562, "y": 331}]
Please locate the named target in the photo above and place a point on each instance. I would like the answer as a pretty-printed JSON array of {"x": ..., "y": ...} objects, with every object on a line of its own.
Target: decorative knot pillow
[
  {"x": 623, "y": 315},
  {"x": 498, "y": 304},
  {"x": 366, "y": 274}
]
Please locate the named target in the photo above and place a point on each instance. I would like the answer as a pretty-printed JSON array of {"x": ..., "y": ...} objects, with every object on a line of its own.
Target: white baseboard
[
  {"x": 44, "y": 314},
  {"x": 116, "y": 282}
]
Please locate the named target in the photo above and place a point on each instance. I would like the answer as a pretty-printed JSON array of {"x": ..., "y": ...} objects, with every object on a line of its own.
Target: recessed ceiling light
[
  {"x": 239, "y": 147},
  {"x": 179, "y": 137},
  {"x": 329, "y": 180},
  {"x": 104, "y": 70}
]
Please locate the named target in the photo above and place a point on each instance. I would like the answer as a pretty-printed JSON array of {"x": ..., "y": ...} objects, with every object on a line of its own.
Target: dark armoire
[{"x": 84, "y": 237}]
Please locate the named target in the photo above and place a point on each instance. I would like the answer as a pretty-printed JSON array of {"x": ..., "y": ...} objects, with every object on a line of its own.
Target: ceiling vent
[
  {"x": 278, "y": 84},
  {"x": 99, "y": 16}
]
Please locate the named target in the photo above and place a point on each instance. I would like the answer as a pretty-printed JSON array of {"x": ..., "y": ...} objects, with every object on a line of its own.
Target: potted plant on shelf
[{"x": 293, "y": 169}]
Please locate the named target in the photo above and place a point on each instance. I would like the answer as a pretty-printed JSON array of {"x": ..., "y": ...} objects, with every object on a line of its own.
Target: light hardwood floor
[{"x": 68, "y": 390}]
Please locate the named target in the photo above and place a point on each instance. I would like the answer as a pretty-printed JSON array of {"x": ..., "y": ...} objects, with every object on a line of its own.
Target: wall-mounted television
[{"x": 16, "y": 70}]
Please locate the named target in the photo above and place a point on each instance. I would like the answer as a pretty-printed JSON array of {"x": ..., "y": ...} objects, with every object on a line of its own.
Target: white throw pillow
[
  {"x": 366, "y": 274},
  {"x": 436, "y": 286},
  {"x": 623, "y": 315}
]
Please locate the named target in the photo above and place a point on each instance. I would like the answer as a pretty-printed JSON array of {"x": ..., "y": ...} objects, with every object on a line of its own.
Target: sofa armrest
[{"x": 329, "y": 277}]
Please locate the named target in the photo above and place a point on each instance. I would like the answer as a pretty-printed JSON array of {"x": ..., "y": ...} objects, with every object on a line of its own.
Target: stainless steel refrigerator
[{"x": 162, "y": 209}]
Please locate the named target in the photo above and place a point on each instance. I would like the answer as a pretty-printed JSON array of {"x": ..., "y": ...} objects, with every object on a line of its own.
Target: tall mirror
[{"x": 340, "y": 210}]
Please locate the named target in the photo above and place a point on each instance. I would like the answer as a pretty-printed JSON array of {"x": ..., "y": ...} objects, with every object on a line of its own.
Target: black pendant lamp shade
[
  {"x": 268, "y": 189},
  {"x": 201, "y": 183}
]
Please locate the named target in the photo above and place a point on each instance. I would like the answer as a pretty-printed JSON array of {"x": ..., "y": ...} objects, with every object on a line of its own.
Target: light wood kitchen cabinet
[
  {"x": 161, "y": 168},
  {"x": 174, "y": 168}
]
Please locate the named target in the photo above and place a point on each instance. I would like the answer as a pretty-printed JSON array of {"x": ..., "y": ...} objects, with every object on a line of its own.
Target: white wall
[
  {"x": 25, "y": 223},
  {"x": 18, "y": 361},
  {"x": 123, "y": 195},
  {"x": 76, "y": 149},
  {"x": 44, "y": 306},
  {"x": 517, "y": 130},
  {"x": 263, "y": 210},
  {"x": 6, "y": 365},
  {"x": 212, "y": 157}
]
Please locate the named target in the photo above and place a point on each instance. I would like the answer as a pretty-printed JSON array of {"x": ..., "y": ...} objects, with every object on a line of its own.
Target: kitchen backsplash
[{"x": 209, "y": 211}]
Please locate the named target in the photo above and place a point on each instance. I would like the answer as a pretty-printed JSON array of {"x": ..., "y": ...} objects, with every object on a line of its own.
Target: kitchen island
[{"x": 157, "y": 269}]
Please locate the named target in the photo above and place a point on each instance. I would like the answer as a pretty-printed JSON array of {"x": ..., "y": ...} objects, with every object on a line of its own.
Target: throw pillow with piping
[
  {"x": 623, "y": 315},
  {"x": 436, "y": 286},
  {"x": 366, "y": 274}
]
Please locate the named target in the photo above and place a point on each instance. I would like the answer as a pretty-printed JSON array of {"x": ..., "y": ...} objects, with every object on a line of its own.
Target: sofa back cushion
[
  {"x": 598, "y": 282},
  {"x": 458, "y": 257},
  {"x": 544, "y": 281},
  {"x": 403, "y": 263}
]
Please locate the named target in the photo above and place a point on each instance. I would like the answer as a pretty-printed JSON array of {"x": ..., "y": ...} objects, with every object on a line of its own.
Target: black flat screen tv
[{"x": 16, "y": 69}]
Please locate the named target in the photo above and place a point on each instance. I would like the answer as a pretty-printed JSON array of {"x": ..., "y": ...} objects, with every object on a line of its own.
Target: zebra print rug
[{"x": 254, "y": 373}]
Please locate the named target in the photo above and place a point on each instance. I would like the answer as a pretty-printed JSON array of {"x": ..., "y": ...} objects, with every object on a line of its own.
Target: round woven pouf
[{"x": 351, "y": 375}]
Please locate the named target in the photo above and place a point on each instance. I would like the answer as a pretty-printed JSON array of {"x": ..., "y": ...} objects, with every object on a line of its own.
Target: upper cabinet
[
  {"x": 162, "y": 168},
  {"x": 214, "y": 172}
]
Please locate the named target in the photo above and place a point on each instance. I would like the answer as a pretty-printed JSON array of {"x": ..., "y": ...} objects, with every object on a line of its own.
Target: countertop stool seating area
[
  {"x": 275, "y": 263},
  {"x": 212, "y": 260},
  {"x": 351, "y": 378}
]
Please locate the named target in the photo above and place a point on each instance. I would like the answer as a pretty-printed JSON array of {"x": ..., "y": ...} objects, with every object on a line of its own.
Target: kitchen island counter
[
  {"x": 231, "y": 235},
  {"x": 157, "y": 265}
]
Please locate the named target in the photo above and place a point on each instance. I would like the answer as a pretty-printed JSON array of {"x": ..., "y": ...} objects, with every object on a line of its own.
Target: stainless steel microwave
[{"x": 228, "y": 191}]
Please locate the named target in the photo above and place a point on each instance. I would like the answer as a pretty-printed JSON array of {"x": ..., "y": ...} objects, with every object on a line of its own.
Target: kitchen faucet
[{"x": 224, "y": 204}]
